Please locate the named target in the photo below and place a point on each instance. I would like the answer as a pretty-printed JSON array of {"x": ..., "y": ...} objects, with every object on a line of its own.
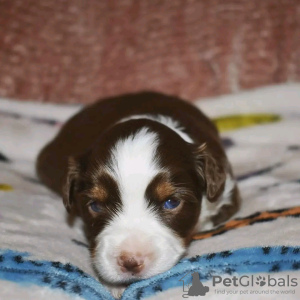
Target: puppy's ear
[
  {"x": 70, "y": 184},
  {"x": 212, "y": 171}
]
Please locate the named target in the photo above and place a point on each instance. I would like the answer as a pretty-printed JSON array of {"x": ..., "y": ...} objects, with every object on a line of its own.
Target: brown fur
[{"x": 164, "y": 189}]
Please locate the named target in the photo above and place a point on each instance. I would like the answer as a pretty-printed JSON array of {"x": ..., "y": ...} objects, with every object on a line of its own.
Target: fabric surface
[
  {"x": 79, "y": 51},
  {"x": 44, "y": 254}
]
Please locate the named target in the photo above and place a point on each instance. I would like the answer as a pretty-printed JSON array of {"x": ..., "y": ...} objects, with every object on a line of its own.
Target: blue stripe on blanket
[
  {"x": 18, "y": 267},
  {"x": 242, "y": 261}
]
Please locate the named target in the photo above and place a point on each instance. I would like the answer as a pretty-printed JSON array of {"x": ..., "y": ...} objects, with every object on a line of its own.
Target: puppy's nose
[{"x": 130, "y": 262}]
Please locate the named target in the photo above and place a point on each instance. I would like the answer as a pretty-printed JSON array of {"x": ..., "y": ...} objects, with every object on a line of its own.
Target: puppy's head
[{"x": 139, "y": 192}]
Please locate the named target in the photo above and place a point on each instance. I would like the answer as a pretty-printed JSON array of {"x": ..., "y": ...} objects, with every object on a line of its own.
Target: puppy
[{"x": 145, "y": 172}]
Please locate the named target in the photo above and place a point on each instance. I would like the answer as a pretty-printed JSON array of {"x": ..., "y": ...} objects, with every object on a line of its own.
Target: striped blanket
[{"x": 256, "y": 255}]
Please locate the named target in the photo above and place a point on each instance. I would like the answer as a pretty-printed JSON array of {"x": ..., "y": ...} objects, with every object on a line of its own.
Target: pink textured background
[{"x": 78, "y": 51}]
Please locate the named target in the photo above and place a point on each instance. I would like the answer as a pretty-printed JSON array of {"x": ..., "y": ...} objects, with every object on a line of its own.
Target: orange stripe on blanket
[{"x": 254, "y": 218}]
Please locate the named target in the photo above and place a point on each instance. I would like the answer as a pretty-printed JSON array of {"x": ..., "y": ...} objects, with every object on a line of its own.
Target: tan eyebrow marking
[
  {"x": 98, "y": 192},
  {"x": 164, "y": 189}
]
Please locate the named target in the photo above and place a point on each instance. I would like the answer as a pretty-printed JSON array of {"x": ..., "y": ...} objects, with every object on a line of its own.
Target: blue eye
[
  {"x": 171, "y": 204},
  {"x": 95, "y": 206}
]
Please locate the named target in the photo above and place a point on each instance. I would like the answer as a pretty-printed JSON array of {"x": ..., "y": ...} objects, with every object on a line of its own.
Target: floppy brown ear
[
  {"x": 68, "y": 190},
  {"x": 212, "y": 172}
]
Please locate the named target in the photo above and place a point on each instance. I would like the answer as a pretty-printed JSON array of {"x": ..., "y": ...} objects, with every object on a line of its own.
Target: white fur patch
[
  {"x": 209, "y": 209},
  {"x": 136, "y": 229},
  {"x": 166, "y": 120}
]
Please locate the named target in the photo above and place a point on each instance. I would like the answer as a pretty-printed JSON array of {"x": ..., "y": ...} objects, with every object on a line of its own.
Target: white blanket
[{"x": 44, "y": 257}]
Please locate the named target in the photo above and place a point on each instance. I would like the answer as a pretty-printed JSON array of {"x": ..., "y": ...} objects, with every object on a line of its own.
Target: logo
[
  {"x": 245, "y": 284},
  {"x": 193, "y": 287},
  {"x": 261, "y": 281},
  {"x": 251, "y": 281}
]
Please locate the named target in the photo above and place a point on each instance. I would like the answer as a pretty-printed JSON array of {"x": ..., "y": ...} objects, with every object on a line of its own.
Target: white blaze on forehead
[{"x": 133, "y": 166}]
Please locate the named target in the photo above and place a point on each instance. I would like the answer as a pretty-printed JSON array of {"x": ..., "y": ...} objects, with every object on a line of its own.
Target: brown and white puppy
[{"x": 145, "y": 171}]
